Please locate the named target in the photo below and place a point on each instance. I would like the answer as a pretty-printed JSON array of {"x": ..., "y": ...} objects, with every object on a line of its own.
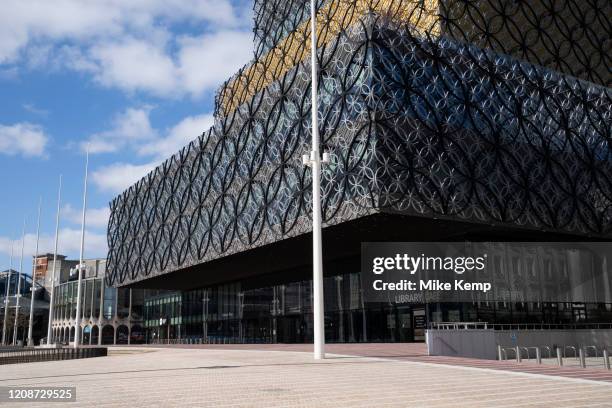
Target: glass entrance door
[
  {"x": 404, "y": 331},
  {"x": 291, "y": 329}
]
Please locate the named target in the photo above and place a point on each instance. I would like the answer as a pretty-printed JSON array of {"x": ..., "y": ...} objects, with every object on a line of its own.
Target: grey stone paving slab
[{"x": 249, "y": 378}]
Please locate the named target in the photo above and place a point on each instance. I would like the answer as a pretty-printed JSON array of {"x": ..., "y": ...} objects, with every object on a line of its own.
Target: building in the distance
[
  {"x": 446, "y": 120},
  {"x": 109, "y": 315},
  {"x": 44, "y": 264},
  {"x": 41, "y": 266},
  {"x": 10, "y": 280}
]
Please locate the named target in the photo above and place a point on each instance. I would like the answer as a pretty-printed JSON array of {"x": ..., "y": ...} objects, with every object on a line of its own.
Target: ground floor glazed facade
[
  {"x": 257, "y": 311},
  {"x": 265, "y": 296},
  {"x": 553, "y": 287},
  {"x": 233, "y": 313}
]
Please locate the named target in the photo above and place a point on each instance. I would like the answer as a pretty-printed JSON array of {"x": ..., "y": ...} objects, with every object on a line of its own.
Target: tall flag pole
[
  {"x": 33, "y": 288},
  {"x": 18, "y": 293},
  {"x": 6, "y": 297},
  {"x": 81, "y": 266},
  {"x": 315, "y": 162},
  {"x": 57, "y": 223}
]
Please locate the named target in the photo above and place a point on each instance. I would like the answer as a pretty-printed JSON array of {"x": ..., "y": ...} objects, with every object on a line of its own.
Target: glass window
[
  {"x": 137, "y": 304},
  {"x": 110, "y": 296},
  {"x": 123, "y": 303},
  {"x": 89, "y": 297},
  {"x": 97, "y": 294}
]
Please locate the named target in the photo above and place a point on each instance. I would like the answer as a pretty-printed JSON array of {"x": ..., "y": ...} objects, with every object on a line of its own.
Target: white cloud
[
  {"x": 200, "y": 64},
  {"x": 69, "y": 244},
  {"x": 133, "y": 130},
  {"x": 118, "y": 177},
  {"x": 205, "y": 62},
  {"x": 25, "y": 21},
  {"x": 130, "y": 45},
  {"x": 74, "y": 58},
  {"x": 132, "y": 125},
  {"x": 96, "y": 217},
  {"x": 135, "y": 65},
  {"x": 24, "y": 138},
  {"x": 178, "y": 136}
]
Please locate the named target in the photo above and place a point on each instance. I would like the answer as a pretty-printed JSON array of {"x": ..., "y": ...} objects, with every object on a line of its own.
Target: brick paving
[
  {"x": 418, "y": 352},
  {"x": 284, "y": 376}
]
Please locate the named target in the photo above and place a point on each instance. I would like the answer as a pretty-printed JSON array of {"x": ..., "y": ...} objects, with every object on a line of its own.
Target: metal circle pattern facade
[{"x": 480, "y": 111}]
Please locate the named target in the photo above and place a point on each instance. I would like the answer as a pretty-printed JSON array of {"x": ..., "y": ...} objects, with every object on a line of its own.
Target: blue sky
[{"x": 134, "y": 80}]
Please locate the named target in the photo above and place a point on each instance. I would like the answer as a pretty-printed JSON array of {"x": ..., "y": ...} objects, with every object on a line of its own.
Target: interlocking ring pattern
[
  {"x": 275, "y": 19},
  {"x": 479, "y": 119}
]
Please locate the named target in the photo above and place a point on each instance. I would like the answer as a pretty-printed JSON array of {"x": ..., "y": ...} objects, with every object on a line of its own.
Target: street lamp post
[
  {"x": 315, "y": 162},
  {"x": 6, "y": 297},
  {"x": 57, "y": 221},
  {"x": 18, "y": 293},
  {"x": 81, "y": 266},
  {"x": 33, "y": 288}
]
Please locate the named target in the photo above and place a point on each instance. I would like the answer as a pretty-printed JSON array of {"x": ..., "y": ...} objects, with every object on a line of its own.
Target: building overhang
[
  {"x": 430, "y": 126},
  {"x": 290, "y": 260}
]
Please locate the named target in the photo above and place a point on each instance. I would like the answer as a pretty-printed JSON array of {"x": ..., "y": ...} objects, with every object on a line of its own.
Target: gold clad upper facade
[{"x": 334, "y": 17}]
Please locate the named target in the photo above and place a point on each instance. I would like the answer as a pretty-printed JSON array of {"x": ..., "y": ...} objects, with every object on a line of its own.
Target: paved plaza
[{"x": 230, "y": 377}]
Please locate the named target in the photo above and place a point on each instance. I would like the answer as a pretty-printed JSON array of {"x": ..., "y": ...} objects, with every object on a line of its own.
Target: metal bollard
[
  {"x": 559, "y": 357},
  {"x": 538, "y": 355},
  {"x": 518, "y": 354},
  {"x": 499, "y": 353},
  {"x": 606, "y": 359},
  {"x": 582, "y": 358}
]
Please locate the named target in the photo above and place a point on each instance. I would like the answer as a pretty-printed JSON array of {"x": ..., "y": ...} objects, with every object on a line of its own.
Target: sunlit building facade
[
  {"x": 446, "y": 120},
  {"x": 109, "y": 315}
]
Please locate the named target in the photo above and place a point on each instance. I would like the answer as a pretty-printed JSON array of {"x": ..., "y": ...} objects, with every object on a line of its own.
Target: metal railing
[
  {"x": 550, "y": 326},
  {"x": 4, "y": 349},
  {"x": 594, "y": 348},
  {"x": 549, "y": 349},
  {"x": 502, "y": 352},
  {"x": 580, "y": 353},
  {"x": 571, "y": 348},
  {"x": 518, "y": 326},
  {"x": 32, "y": 355},
  {"x": 212, "y": 340},
  {"x": 458, "y": 325}
]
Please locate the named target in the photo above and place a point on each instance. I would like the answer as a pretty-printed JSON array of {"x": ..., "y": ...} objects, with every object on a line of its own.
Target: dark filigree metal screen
[{"x": 481, "y": 111}]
